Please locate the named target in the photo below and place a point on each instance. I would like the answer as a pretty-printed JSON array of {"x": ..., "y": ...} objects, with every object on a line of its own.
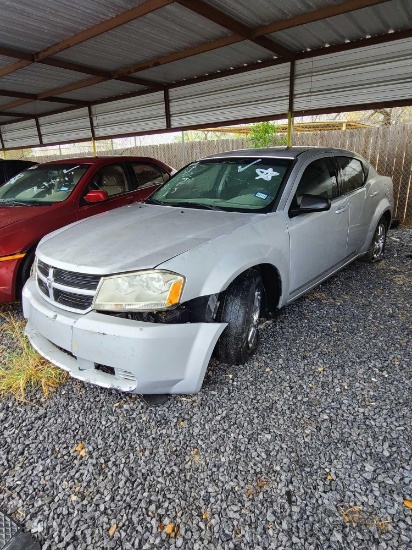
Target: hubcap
[
  {"x": 254, "y": 319},
  {"x": 379, "y": 242}
]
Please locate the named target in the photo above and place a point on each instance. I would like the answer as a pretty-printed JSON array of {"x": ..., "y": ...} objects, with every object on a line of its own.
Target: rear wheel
[
  {"x": 241, "y": 309},
  {"x": 377, "y": 247}
]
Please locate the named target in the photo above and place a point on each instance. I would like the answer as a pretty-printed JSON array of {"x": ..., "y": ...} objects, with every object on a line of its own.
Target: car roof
[
  {"x": 102, "y": 160},
  {"x": 282, "y": 152}
]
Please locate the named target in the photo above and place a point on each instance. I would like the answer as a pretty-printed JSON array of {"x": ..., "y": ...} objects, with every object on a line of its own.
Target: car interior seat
[{"x": 113, "y": 180}]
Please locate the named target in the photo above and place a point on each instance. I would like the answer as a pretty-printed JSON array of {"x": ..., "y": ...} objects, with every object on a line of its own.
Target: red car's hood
[{"x": 13, "y": 214}]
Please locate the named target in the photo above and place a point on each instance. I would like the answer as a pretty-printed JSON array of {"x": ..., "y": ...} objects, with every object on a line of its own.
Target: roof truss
[{"x": 239, "y": 33}]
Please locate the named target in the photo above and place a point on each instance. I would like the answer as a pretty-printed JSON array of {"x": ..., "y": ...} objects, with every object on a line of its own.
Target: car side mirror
[
  {"x": 96, "y": 196},
  {"x": 311, "y": 203}
]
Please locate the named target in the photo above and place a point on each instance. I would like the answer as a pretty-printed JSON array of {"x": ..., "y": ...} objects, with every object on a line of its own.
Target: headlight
[{"x": 140, "y": 291}]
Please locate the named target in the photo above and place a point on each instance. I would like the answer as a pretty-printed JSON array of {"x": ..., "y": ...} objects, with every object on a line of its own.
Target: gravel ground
[{"x": 269, "y": 455}]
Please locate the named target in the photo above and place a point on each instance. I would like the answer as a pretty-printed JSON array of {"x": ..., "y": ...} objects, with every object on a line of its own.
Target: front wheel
[
  {"x": 377, "y": 247},
  {"x": 241, "y": 309}
]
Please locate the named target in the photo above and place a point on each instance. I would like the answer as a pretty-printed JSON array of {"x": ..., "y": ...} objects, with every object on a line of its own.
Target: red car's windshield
[{"x": 42, "y": 185}]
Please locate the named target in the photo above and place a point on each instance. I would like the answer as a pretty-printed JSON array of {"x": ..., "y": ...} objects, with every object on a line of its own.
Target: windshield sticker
[
  {"x": 266, "y": 175},
  {"x": 241, "y": 168},
  {"x": 70, "y": 169},
  {"x": 261, "y": 195},
  {"x": 32, "y": 167}
]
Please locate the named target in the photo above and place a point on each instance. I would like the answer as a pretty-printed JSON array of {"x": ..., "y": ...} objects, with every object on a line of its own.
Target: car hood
[
  {"x": 14, "y": 214},
  {"x": 134, "y": 237}
]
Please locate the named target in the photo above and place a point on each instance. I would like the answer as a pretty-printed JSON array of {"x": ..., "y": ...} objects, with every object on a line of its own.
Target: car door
[
  {"x": 148, "y": 177},
  {"x": 352, "y": 182},
  {"x": 115, "y": 180},
  {"x": 317, "y": 239}
]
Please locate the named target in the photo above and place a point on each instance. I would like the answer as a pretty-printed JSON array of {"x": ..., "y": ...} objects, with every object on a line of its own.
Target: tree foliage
[{"x": 265, "y": 134}]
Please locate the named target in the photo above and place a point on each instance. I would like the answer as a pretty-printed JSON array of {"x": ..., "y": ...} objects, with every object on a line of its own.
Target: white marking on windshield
[
  {"x": 241, "y": 168},
  {"x": 266, "y": 175},
  {"x": 70, "y": 169}
]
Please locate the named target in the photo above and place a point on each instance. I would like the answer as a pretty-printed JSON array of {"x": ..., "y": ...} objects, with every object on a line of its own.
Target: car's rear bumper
[{"x": 145, "y": 358}]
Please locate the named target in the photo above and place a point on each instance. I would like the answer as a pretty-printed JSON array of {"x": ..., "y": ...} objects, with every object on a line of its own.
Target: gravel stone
[{"x": 316, "y": 423}]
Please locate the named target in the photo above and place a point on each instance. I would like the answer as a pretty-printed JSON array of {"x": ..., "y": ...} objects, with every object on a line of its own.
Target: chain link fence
[{"x": 389, "y": 149}]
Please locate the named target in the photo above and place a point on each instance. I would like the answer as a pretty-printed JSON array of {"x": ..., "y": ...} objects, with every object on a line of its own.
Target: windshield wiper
[
  {"x": 195, "y": 205},
  {"x": 5, "y": 202},
  {"x": 155, "y": 201}
]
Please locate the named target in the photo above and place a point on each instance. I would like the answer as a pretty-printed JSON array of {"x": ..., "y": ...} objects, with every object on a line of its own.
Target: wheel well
[
  {"x": 387, "y": 216},
  {"x": 19, "y": 276},
  {"x": 271, "y": 283}
]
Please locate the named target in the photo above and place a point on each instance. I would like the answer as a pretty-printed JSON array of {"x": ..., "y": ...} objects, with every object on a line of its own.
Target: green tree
[{"x": 265, "y": 134}]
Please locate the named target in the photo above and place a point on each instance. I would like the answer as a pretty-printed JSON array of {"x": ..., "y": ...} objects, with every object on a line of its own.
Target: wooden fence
[{"x": 389, "y": 149}]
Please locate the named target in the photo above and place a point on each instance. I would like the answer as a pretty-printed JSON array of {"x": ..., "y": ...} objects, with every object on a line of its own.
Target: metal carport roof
[{"x": 82, "y": 69}]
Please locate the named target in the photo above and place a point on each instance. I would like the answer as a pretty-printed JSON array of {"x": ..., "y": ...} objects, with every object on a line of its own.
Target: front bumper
[{"x": 147, "y": 358}]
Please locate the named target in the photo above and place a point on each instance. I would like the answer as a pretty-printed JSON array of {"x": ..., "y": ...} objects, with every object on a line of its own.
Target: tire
[
  {"x": 377, "y": 247},
  {"x": 241, "y": 309},
  {"x": 25, "y": 271}
]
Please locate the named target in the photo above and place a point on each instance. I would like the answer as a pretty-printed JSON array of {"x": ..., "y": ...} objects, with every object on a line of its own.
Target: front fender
[{"x": 212, "y": 266}]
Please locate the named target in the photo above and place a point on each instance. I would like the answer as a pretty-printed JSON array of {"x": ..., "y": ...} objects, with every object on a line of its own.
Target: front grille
[
  {"x": 76, "y": 280},
  {"x": 43, "y": 287},
  {"x": 72, "y": 300},
  {"x": 67, "y": 289}
]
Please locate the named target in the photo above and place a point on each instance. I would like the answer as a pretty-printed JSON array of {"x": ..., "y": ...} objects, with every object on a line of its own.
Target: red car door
[
  {"x": 149, "y": 177},
  {"x": 115, "y": 180}
]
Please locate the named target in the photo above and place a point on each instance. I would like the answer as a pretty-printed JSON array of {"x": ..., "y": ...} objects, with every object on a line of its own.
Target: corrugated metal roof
[
  {"x": 4, "y": 61},
  {"x": 35, "y": 79},
  {"x": 362, "y": 75},
  {"x": 68, "y": 126},
  {"x": 102, "y": 90},
  {"x": 37, "y": 24},
  {"x": 38, "y": 107},
  {"x": 259, "y": 93},
  {"x": 376, "y": 73},
  {"x": 20, "y": 134},
  {"x": 373, "y": 21},
  {"x": 135, "y": 114},
  {"x": 261, "y": 12},
  {"x": 228, "y": 57},
  {"x": 165, "y": 31}
]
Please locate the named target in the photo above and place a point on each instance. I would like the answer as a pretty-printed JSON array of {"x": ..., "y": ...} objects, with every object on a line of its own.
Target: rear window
[{"x": 353, "y": 175}]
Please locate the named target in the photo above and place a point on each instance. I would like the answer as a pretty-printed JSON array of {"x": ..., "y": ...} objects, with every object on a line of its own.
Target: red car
[{"x": 48, "y": 196}]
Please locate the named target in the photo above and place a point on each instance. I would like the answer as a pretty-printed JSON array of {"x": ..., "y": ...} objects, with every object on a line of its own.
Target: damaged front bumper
[{"x": 112, "y": 352}]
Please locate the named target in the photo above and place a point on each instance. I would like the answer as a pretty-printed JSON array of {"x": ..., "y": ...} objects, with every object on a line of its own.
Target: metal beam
[
  {"x": 227, "y": 22},
  {"x": 290, "y": 107},
  {"x": 125, "y": 17},
  {"x": 167, "y": 109},
  {"x": 314, "y": 53},
  {"x": 38, "y": 130},
  {"x": 182, "y": 54},
  {"x": 317, "y": 15}
]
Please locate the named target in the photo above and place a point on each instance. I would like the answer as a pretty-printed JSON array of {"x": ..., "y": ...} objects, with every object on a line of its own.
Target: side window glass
[
  {"x": 147, "y": 175},
  {"x": 319, "y": 179},
  {"x": 110, "y": 178},
  {"x": 352, "y": 172}
]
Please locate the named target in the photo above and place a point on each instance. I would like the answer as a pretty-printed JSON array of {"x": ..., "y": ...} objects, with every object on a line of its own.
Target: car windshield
[
  {"x": 42, "y": 185},
  {"x": 239, "y": 184}
]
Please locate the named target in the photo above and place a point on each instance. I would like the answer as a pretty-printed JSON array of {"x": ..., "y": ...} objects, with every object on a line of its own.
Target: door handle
[
  {"x": 340, "y": 210},
  {"x": 374, "y": 194}
]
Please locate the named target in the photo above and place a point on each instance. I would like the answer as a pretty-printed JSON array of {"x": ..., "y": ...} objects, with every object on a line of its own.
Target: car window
[
  {"x": 111, "y": 178},
  {"x": 352, "y": 173},
  {"x": 318, "y": 179},
  {"x": 43, "y": 184},
  {"x": 147, "y": 175}
]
